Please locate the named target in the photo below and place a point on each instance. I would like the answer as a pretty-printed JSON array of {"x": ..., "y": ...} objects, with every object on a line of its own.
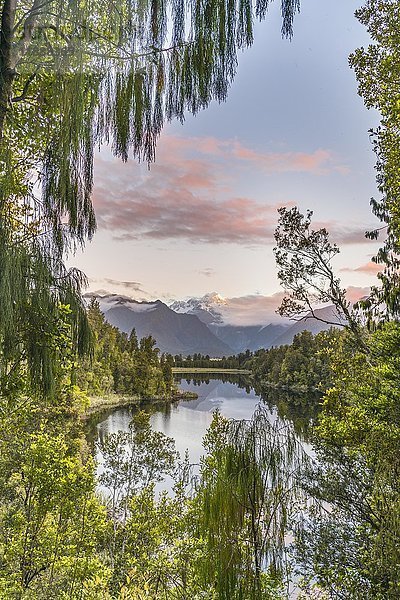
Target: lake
[{"x": 187, "y": 420}]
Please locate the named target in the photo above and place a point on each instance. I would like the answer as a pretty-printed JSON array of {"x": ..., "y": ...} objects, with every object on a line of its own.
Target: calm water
[{"x": 187, "y": 421}]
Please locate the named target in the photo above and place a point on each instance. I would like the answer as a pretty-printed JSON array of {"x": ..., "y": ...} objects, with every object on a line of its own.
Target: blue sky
[{"x": 292, "y": 132}]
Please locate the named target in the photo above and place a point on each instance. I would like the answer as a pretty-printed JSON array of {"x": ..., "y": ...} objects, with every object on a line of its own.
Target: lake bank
[
  {"x": 181, "y": 370},
  {"x": 100, "y": 404}
]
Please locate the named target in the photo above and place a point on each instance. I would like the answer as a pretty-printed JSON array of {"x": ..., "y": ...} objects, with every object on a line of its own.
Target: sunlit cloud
[
  {"x": 252, "y": 309},
  {"x": 160, "y": 205},
  {"x": 354, "y": 293},
  {"x": 256, "y": 309},
  {"x": 189, "y": 194},
  {"x": 318, "y": 162},
  {"x": 369, "y": 268}
]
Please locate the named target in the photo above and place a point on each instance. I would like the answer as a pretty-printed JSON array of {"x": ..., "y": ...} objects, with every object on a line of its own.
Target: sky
[{"x": 292, "y": 132}]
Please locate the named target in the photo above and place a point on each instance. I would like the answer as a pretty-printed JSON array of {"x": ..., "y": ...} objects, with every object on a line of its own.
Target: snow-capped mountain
[
  {"x": 176, "y": 333},
  {"x": 220, "y": 314},
  {"x": 206, "y": 325},
  {"x": 207, "y": 308}
]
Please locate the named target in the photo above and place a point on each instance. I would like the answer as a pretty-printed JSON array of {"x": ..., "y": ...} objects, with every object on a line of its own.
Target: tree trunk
[{"x": 7, "y": 71}]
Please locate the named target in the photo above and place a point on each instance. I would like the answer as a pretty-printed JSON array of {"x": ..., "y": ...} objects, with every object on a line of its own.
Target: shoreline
[
  {"x": 210, "y": 370},
  {"x": 99, "y": 404}
]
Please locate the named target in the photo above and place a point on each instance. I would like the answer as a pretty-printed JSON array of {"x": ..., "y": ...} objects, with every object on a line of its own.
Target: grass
[{"x": 209, "y": 370}]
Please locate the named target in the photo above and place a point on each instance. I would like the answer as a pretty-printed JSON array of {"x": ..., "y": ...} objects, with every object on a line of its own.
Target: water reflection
[
  {"x": 196, "y": 379},
  {"x": 187, "y": 421},
  {"x": 301, "y": 409}
]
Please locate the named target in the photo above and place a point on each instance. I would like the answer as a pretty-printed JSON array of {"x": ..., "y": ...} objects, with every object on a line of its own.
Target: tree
[
  {"x": 249, "y": 489},
  {"x": 75, "y": 75},
  {"x": 377, "y": 70},
  {"x": 51, "y": 521},
  {"x": 132, "y": 462},
  {"x": 358, "y": 442},
  {"x": 304, "y": 257},
  {"x": 120, "y": 365}
]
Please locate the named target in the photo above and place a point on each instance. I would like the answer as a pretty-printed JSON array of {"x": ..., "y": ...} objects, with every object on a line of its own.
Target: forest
[
  {"x": 80, "y": 74},
  {"x": 122, "y": 365}
]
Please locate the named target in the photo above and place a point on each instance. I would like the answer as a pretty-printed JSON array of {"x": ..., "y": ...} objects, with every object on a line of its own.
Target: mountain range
[{"x": 201, "y": 325}]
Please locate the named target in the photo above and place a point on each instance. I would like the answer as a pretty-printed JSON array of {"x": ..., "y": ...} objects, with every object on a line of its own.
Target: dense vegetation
[
  {"x": 76, "y": 74},
  {"x": 122, "y": 365},
  {"x": 301, "y": 367},
  {"x": 236, "y": 361},
  {"x": 358, "y": 443}
]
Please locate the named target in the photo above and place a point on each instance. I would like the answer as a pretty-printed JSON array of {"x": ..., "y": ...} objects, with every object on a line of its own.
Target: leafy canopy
[
  {"x": 73, "y": 76},
  {"x": 377, "y": 69}
]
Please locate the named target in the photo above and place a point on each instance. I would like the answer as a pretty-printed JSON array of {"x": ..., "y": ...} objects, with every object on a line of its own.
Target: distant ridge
[
  {"x": 197, "y": 327},
  {"x": 174, "y": 333},
  {"x": 310, "y": 323}
]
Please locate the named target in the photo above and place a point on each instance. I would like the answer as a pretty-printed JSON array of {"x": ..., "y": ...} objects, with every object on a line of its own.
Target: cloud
[
  {"x": 252, "y": 309},
  {"x": 162, "y": 205},
  {"x": 318, "y": 162},
  {"x": 256, "y": 309},
  {"x": 177, "y": 199},
  {"x": 188, "y": 194},
  {"x": 208, "y": 272},
  {"x": 369, "y": 268},
  {"x": 134, "y": 286},
  {"x": 131, "y": 287},
  {"x": 355, "y": 293},
  {"x": 352, "y": 233}
]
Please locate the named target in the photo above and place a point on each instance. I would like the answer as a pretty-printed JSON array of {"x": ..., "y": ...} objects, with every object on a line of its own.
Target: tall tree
[
  {"x": 377, "y": 70},
  {"x": 249, "y": 492},
  {"x": 75, "y": 75},
  {"x": 304, "y": 259}
]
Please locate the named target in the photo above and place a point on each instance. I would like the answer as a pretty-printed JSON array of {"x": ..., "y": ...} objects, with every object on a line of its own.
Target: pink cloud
[
  {"x": 188, "y": 193},
  {"x": 370, "y": 268},
  {"x": 179, "y": 197},
  {"x": 318, "y": 162},
  {"x": 253, "y": 309},
  {"x": 178, "y": 213},
  {"x": 355, "y": 293}
]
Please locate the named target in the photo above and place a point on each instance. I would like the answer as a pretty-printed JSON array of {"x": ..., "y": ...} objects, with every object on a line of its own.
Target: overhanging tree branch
[{"x": 304, "y": 256}]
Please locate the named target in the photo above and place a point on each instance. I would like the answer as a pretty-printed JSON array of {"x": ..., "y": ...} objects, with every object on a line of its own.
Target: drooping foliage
[
  {"x": 249, "y": 490},
  {"x": 75, "y": 75},
  {"x": 86, "y": 73},
  {"x": 50, "y": 519}
]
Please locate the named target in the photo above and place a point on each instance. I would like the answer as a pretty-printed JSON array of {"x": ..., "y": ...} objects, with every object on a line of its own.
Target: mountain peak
[{"x": 213, "y": 298}]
